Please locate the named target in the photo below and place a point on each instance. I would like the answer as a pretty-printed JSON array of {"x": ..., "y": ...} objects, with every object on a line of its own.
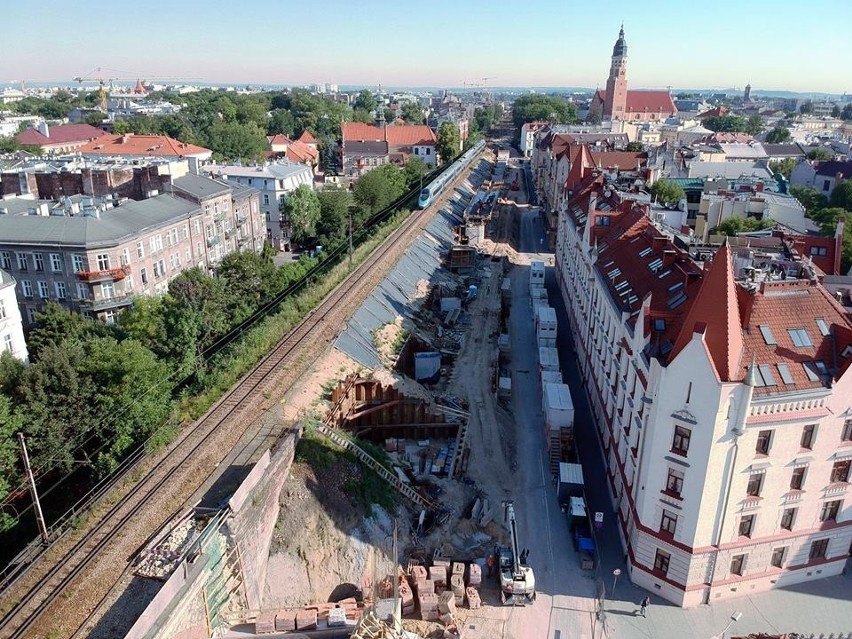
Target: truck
[{"x": 517, "y": 580}]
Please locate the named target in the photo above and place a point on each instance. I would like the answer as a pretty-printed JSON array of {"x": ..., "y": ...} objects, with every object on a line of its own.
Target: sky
[{"x": 778, "y": 45}]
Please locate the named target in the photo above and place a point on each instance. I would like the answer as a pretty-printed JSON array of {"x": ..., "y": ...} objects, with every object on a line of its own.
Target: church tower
[{"x": 615, "y": 104}]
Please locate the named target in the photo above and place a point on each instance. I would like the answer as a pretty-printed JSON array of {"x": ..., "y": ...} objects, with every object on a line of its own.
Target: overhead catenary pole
[
  {"x": 42, "y": 527},
  {"x": 350, "y": 238}
]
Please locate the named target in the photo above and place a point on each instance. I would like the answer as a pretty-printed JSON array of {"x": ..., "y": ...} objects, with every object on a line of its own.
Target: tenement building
[
  {"x": 94, "y": 258},
  {"x": 721, "y": 394}
]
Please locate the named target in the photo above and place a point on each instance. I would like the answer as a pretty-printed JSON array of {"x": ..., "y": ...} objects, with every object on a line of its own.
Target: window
[
  {"x": 674, "y": 482},
  {"x": 784, "y": 372},
  {"x": 826, "y": 185},
  {"x": 680, "y": 443},
  {"x": 22, "y": 261},
  {"x": 77, "y": 263},
  {"x": 2, "y": 309},
  {"x": 800, "y": 337},
  {"x": 103, "y": 261},
  {"x": 818, "y": 251},
  {"x": 143, "y": 275},
  {"x": 746, "y": 525},
  {"x": 755, "y": 483},
  {"x": 840, "y": 471},
  {"x": 661, "y": 562},
  {"x": 56, "y": 262},
  {"x": 38, "y": 261},
  {"x": 60, "y": 290},
  {"x": 764, "y": 438},
  {"x": 797, "y": 480},
  {"x": 82, "y": 291},
  {"x": 668, "y": 523},
  {"x": 788, "y": 518},
  {"x": 7, "y": 342},
  {"x": 172, "y": 237},
  {"x": 807, "y": 441},
  {"x": 764, "y": 375},
  {"x": 603, "y": 220},
  {"x": 266, "y": 199},
  {"x": 822, "y": 326},
  {"x": 5, "y": 260},
  {"x": 846, "y": 434},
  {"x": 766, "y": 331},
  {"x": 778, "y": 555},
  {"x": 830, "y": 510},
  {"x": 737, "y": 564},
  {"x": 428, "y": 151},
  {"x": 159, "y": 269},
  {"x": 819, "y": 549},
  {"x": 185, "y": 231},
  {"x": 43, "y": 290},
  {"x": 107, "y": 290},
  {"x": 811, "y": 371},
  {"x": 140, "y": 250}
]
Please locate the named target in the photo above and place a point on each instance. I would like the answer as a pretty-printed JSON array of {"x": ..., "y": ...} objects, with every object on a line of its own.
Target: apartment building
[
  {"x": 721, "y": 396},
  {"x": 11, "y": 328},
  {"x": 94, "y": 258}
]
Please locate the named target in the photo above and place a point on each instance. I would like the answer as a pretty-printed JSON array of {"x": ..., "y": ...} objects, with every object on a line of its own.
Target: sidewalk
[{"x": 818, "y": 607}]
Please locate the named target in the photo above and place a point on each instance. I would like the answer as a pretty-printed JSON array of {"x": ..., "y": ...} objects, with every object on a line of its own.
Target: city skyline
[{"x": 547, "y": 44}]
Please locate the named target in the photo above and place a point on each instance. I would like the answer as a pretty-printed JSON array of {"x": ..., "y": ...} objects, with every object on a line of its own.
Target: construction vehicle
[{"x": 517, "y": 580}]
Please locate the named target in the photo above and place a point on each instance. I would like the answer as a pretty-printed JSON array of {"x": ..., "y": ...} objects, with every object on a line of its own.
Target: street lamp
[
  {"x": 615, "y": 575},
  {"x": 735, "y": 617}
]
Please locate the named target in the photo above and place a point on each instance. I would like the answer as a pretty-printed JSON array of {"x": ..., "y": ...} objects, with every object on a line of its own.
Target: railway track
[{"x": 238, "y": 409}]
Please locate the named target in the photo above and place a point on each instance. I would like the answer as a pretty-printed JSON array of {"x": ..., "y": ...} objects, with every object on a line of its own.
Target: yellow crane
[{"x": 97, "y": 75}]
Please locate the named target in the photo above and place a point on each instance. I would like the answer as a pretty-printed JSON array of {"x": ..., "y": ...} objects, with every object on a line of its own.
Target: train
[{"x": 428, "y": 194}]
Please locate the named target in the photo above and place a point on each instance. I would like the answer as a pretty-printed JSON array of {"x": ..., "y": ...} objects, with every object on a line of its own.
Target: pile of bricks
[
  {"x": 472, "y": 596},
  {"x": 406, "y": 597},
  {"x": 335, "y": 615},
  {"x": 306, "y": 619},
  {"x": 438, "y": 575},
  {"x": 428, "y": 606},
  {"x": 447, "y": 607},
  {"x": 265, "y": 624},
  {"x": 285, "y": 621},
  {"x": 418, "y": 577},
  {"x": 474, "y": 575}
]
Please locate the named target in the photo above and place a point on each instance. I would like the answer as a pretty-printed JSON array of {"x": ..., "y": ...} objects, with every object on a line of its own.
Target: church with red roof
[{"x": 616, "y": 102}]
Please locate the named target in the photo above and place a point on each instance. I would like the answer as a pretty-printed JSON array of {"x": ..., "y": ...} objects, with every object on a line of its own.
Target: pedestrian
[
  {"x": 644, "y": 604},
  {"x": 490, "y": 563}
]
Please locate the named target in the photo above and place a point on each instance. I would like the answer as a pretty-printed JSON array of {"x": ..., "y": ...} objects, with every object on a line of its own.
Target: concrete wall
[{"x": 255, "y": 507}]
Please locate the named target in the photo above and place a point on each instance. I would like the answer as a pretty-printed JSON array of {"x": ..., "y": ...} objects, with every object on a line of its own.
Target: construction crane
[
  {"x": 517, "y": 580},
  {"x": 485, "y": 80},
  {"x": 97, "y": 75}
]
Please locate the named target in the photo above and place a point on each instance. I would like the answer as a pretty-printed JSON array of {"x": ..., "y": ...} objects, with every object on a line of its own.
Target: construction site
[{"x": 393, "y": 497}]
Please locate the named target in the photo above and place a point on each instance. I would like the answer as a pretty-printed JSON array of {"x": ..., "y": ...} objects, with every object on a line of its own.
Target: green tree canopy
[
  {"x": 779, "y": 135},
  {"x": 735, "y": 225},
  {"x": 827, "y": 219},
  {"x": 784, "y": 167},
  {"x": 547, "y": 108},
  {"x": 378, "y": 188},
  {"x": 282, "y": 121},
  {"x": 820, "y": 154},
  {"x": 841, "y": 196},
  {"x": 414, "y": 169},
  {"x": 449, "y": 141},
  {"x": 666, "y": 192},
  {"x": 302, "y": 207},
  {"x": 726, "y": 123},
  {"x": 810, "y": 198},
  {"x": 807, "y": 107},
  {"x": 846, "y": 112},
  {"x": 635, "y": 147},
  {"x": 235, "y": 141},
  {"x": 95, "y": 119},
  {"x": 333, "y": 223},
  {"x": 365, "y": 101},
  {"x": 412, "y": 113},
  {"x": 754, "y": 125}
]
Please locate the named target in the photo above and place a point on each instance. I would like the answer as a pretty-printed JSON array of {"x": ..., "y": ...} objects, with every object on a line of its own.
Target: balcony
[
  {"x": 102, "y": 276},
  {"x": 213, "y": 241},
  {"x": 230, "y": 233},
  {"x": 106, "y": 303},
  {"x": 242, "y": 219}
]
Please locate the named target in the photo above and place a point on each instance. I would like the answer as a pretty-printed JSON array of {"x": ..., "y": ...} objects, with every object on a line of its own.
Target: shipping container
[
  {"x": 570, "y": 481},
  {"x": 536, "y": 275},
  {"x": 558, "y": 406},
  {"x": 548, "y": 359},
  {"x": 545, "y": 322}
]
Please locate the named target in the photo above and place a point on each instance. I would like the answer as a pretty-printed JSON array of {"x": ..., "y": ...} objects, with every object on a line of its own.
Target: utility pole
[
  {"x": 350, "y": 239},
  {"x": 42, "y": 527}
]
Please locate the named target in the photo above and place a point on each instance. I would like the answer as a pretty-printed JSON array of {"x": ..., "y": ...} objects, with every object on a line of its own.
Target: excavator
[{"x": 517, "y": 580}]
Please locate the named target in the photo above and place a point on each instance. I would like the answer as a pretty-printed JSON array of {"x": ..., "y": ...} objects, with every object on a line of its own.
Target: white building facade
[{"x": 11, "y": 327}]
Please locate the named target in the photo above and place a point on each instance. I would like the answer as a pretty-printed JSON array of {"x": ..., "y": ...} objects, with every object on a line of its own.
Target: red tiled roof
[
  {"x": 151, "y": 145},
  {"x": 623, "y": 160},
  {"x": 646, "y": 101},
  {"x": 717, "y": 314},
  {"x": 298, "y": 151},
  {"x": 396, "y": 135},
  {"x": 580, "y": 165},
  {"x": 307, "y": 138},
  {"x": 63, "y": 134},
  {"x": 278, "y": 139},
  {"x": 728, "y": 137},
  {"x": 714, "y": 112},
  {"x": 794, "y": 304}
]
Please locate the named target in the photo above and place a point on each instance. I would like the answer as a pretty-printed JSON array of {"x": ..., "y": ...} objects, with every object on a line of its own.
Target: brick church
[{"x": 617, "y": 103}]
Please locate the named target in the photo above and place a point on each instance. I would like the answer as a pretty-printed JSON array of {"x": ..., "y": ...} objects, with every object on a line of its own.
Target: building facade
[
  {"x": 93, "y": 258},
  {"x": 11, "y": 327},
  {"x": 364, "y": 146},
  {"x": 274, "y": 182},
  {"x": 721, "y": 397}
]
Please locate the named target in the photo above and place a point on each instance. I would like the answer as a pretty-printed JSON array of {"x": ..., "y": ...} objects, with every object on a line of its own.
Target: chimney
[
  {"x": 124, "y": 139},
  {"x": 759, "y": 187},
  {"x": 43, "y": 128},
  {"x": 838, "y": 243}
]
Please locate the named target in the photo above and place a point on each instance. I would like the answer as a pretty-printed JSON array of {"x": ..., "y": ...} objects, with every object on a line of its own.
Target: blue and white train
[{"x": 432, "y": 191}]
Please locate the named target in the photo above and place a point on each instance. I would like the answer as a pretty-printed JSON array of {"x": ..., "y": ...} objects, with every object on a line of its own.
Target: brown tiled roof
[
  {"x": 278, "y": 139},
  {"x": 151, "y": 145},
  {"x": 716, "y": 314},
  {"x": 715, "y": 112},
  {"x": 298, "y": 151},
  {"x": 396, "y": 135},
  {"x": 646, "y": 101},
  {"x": 623, "y": 160},
  {"x": 63, "y": 134},
  {"x": 307, "y": 138}
]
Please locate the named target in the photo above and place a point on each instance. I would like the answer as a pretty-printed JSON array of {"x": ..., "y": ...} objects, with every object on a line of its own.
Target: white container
[
  {"x": 545, "y": 322},
  {"x": 546, "y": 342},
  {"x": 548, "y": 359},
  {"x": 558, "y": 406},
  {"x": 550, "y": 377},
  {"x": 536, "y": 275}
]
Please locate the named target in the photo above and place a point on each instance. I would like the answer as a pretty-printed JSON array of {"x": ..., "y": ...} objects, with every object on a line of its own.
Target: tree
[
  {"x": 11, "y": 423},
  {"x": 333, "y": 223},
  {"x": 779, "y": 135},
  {"x": 548, "y": 108},
  {"x": 233, "y": 141},
  {"x": 846, "y": 113},
  {"x": 807, "y": 107},
  {"x": 414, "y": 170},
  {"x": 726, "y": 123},
  {"x": 820, "y": 154},
  {"x": 390, "y": 115},
  {"x": 449, "y": 141},
  {"x": 635, "y": 147},
  {"x": 754, "y": 125},
  {"x": 302, "y": 207},
  {"x": 282, "y": 121},
  {"x": 827, "y": 220},
  {"x": 412, "y": 113},
  {"x": 95, "y": 119},
  {"x": 736, "y": 225},
  {"x": 666, "y": 192},
  {"x": 378, "y": 188},
  {"x": 365, "y": 101},
  {"x": 835, "y": 111},
  {"x": 120, "y": 127},
  {"x": 784, "y": 167},
  {"x": 810, "y": 198},
  {"x": 841, "y": 196},
  {"x": 250, "y": 280},
  {"x": 360, "y": 115},
  {"x": 56, "y": 326}
]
